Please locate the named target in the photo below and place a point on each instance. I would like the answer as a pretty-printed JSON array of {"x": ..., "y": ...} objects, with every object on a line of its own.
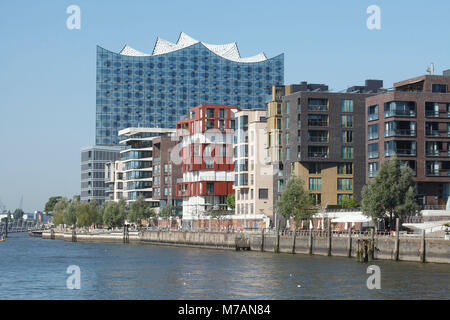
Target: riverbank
[{"x": 357, "y": 245}]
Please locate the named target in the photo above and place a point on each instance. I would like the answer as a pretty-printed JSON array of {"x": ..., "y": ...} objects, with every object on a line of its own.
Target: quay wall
[{"x": 416, "y": 249}]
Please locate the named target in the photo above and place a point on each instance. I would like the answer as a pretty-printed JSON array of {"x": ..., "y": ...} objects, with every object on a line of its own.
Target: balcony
[
  {"x": 318, "y": 155},
  {"x": 437, "y": 173},
  {"x": 317, "y": 123},
  {"x": 320, "y": 139},
  {"x": 373, "y": 154},
  {"x": 431, "y": 114},
  {"x": 317, "y": 108},
  {"x": 400, "y": 133}
]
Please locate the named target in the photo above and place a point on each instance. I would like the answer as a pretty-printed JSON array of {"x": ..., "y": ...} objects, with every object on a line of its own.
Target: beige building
[{"x": 254, "y": 178}]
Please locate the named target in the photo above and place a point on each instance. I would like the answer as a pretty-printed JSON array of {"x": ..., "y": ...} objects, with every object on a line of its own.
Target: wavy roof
[{"x": 228, "y": 51}]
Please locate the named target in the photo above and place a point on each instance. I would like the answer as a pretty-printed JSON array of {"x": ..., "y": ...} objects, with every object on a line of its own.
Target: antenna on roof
[{"x": 430, "y": 69}]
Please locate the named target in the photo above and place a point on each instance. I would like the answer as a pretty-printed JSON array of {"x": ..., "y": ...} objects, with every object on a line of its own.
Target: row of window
[
  {"x": 408, "y": 109},
  {"x": 346, "y": 184}
]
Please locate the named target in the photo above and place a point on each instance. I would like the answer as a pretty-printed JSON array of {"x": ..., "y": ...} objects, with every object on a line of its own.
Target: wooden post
[
  {"x": 397, "y": 239},
  {"x": 329, "y": 238},
  {"x": 74, "y": 236},
  {"x": 277, "y": 241},
  {"x": 422, "y": 249},
  {"x": 293, "y": 241},
  {"x": 372, "y": 244},
  {"x": 262, "y": 240},
  {"x": 6, "y": 226},
  {"x": 310, "y": 244},
  {"x": 349, "y": 243},
  {"x": 52, "y": 234}
]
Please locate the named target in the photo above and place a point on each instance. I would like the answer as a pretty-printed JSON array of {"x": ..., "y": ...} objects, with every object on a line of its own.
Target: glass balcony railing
[
  {"x": 318, "y": 155},
  {"x": 400, "y": 133},
  {"x": 373, "y": 154},
  {"x": 317, "y": 107},
  {"x": 431, "y": 114},
  {"x": 373, "y": 117},
  {"x": 313, "y": 123},
  {"x": 318, "y": 139},
  {"x": 400, "y": 113},
  {"x": 432, "y": 133}
]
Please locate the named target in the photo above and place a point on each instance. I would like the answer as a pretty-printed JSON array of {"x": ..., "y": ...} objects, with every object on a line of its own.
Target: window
[
  {"x": 373, "y": 132},
  {"x": 400, "y": 108},
  {"x": 347, "y": 136},
  {"x": 318, "y": 104},
  {"x": 209, "y": 188},
  {"x": 373, "y": 113},
  {"x": 243, "y": 179},
  {"x": 347, "y": 153},
  {"x": 263, "y": 194},
  {"x": 345, "y": 184},
  {"x": 439, "y": 88},
  {"x": 315, "y": 183},
  {"x": 316, "y": 198},
  {"x": 316, "y": 120},
  {"x": 345, "y": 168},
  {"x": 373, "y": 169},
  {"x": 347, "y": 121},
  {"x": 431, "y": 110},
  {"x": 373, "y": 150},
  {"x": 315, "y": 168},
  {"x": 347, "y": 106}
]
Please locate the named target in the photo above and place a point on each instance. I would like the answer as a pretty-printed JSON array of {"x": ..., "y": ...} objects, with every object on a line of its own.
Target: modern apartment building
[
  {"x": 157, "y": 90},
  {"x": 413, "y": 122},
  {"x": 133, "y": 171},
  {"x": 253, "y": 174},
  {"x": 165, "y": 173},
  {"x": 323, "y": 141},
  {"x": 206, "y": 159},
  {"x": 93, "y": 160}
]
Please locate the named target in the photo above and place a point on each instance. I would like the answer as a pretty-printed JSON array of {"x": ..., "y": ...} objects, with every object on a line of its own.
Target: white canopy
[{"x": 352, "y": 218}]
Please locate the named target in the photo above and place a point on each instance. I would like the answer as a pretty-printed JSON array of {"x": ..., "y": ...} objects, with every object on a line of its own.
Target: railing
[
  {"x": 400, "y": 133},
  {"x": 317, "y": 123},
  {"x": 373, "y": 117},
  {"x": 317, "y": 107},
  {"x": 318, "y": 155},
  {"x": 431, "y": 114},
  {"x": 318, "y": 139},
  {"x": 401, "y": 113}
]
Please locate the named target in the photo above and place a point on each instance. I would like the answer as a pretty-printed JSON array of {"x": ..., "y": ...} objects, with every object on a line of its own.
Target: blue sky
[{"x": 47, "y": 72}]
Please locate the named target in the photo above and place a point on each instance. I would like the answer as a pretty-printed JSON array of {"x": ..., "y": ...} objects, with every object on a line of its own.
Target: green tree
[
  {"x": 70, "y": 213},
  {"x": 231, "y": 201},
  {"x": 18, "y": 214},
  {"x": 391, "y": 192},
  {"x": 349, "y": 202},
  {"x": 139, "y": 210},
  {"x": 58, "y": 211},
  {"x": 295, "y": 201},
  {"x": 114, "y": 213},
  {"x": 50, "y": 205},
  {"x": 167, "y": 212}
]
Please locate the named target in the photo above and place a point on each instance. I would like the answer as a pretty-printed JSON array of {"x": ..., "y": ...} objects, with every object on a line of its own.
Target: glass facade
[{"x": 157, "y": 90}]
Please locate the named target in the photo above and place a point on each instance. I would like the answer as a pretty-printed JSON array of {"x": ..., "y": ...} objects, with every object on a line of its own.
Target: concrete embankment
[{"x": 398, "y": 248}]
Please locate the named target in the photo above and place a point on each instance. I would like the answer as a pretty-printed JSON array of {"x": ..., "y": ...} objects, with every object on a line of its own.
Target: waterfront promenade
[{"x": 372, "y": 246}]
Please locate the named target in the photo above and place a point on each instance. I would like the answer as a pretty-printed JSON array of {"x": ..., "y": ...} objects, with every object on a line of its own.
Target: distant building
[
  {"x": 157, "y": 90},
  {"x": 413, "y": 122},
  {"x": 93, "y": 160}
]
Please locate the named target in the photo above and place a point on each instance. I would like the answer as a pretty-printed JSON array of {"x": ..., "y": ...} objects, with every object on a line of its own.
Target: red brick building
[{"x": 206, "y": 161}]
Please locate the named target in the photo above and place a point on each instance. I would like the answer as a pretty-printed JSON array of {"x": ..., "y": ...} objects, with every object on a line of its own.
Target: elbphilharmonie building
[{"x": 156, "y": 90}]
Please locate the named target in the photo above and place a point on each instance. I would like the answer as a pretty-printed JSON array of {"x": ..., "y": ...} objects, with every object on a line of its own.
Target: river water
[{"x": 33, "y": 268}]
